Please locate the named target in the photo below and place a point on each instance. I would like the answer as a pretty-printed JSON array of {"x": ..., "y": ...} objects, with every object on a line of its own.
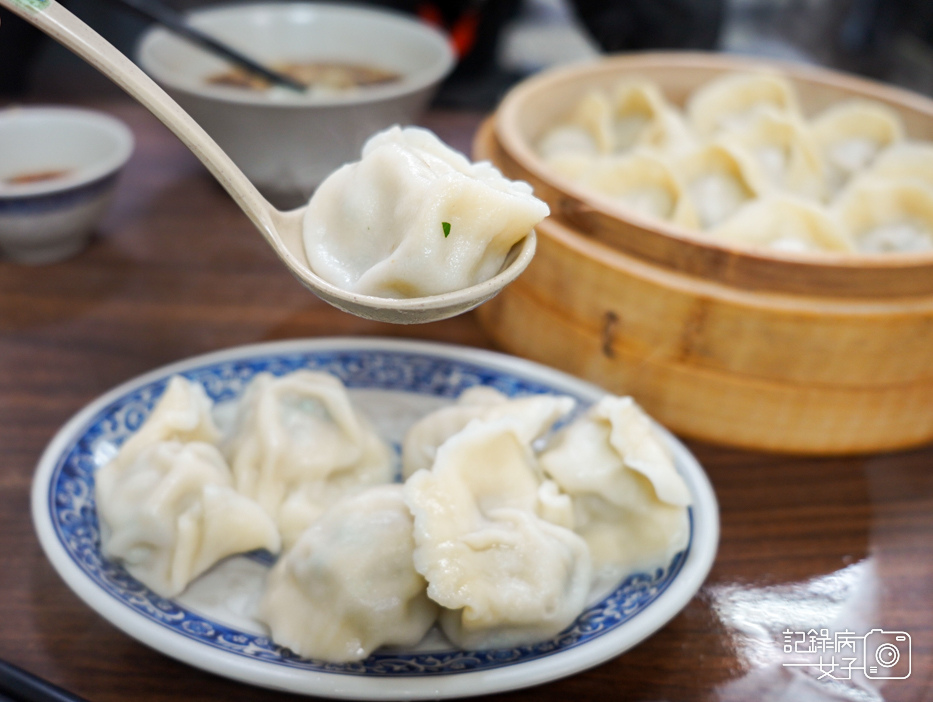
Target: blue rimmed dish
[
  {"x": 394, "y": 382},
  {"x": 58, "y": 171}
]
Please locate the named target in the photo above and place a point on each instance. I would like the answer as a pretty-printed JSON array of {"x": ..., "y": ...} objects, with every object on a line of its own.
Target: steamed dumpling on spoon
[{"x": 415, "y": 218}]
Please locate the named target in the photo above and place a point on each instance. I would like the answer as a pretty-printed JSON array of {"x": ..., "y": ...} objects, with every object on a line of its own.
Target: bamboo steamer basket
[{"x": 814, "y": 354}]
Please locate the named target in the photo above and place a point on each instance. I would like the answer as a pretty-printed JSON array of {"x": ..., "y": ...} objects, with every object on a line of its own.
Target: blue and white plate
[{"x": 395, "y": 382}]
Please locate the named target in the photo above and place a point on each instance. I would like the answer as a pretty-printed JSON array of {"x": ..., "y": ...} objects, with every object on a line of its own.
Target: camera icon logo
[{"x": 887, "y": 655}]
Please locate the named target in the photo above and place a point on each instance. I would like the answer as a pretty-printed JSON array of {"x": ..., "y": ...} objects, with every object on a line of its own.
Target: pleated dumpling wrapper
[
  {"x": 718, "y": 179},
  {"x": 910, "y": 161},
  {"x": 634, "y": 114},
  {"x": 782, "y": 222},
  {"x": 182, "y": 413},
  {"x": 642, "y": 117},
  {"x": 850, "y": 136},
  {"x": 785, "y": 151},
  {"x": 883, "y": 216},
  {"x": 731, "y": 101},
  {"x": 536, "y": 413},
  {"x": 348, "y": 585},
  {"x": 170, "y": 513},
  {"x": 645, "y": 184},
  {"x": 505, "y": 575},
  {"x": 414, "y": 218},
  {"x": 298, "y": 444},
  {"x": 630, "y": 503}
]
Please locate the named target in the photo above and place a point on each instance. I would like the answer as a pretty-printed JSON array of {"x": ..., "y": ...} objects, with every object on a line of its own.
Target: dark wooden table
[{"x": 178, "y": 270}]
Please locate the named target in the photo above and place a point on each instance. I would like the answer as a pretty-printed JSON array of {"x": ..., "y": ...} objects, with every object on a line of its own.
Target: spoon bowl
[{"x": 281, "y": 229}]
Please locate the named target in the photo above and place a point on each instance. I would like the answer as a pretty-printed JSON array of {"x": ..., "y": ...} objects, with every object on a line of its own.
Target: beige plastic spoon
[{"x": 282, "y": 230}]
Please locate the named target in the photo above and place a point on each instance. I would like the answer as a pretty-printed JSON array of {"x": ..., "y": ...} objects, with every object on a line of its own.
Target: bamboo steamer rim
[{"x": 821, "y": 273}]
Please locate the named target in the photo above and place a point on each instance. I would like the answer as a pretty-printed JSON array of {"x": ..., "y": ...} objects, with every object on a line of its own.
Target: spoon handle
[
  {"x": 62, "y": 26},
  {"x": 168, "y": 18}
]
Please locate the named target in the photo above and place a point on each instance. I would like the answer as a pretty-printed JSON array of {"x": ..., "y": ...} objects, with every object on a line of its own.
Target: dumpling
[
  {"x": 784, "y": 223},
  {"x": 414, "y": 218},
  {"x": 505, "y": 575},
  {"x": 182, "y": 413},
  {"x": 641, "y": 116},
  {"x": 170, "y": 513},
  {"x": 718, "y": 180},
  {"x": 348, "y": 585},
  {"x": 731, "y": 101},
  {"x": 644, "y": 184},
  {"x": 786, "y": 153},
  {"x": 630, "y": 502},
  {"x": 851, "y": 134},
  {"x": 593, "y": 115},
  {"x": 298, "y": 444},
  {"x": 906, "y": 161},
  {"x": 567, "y": 140},
  {"x": 535, "y": 414},
  {"x": 887, "y": 216}
]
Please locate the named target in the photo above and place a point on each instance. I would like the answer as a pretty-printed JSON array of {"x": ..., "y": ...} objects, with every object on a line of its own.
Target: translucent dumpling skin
[
  {"x": 415, "y": 218},
  {"x": 171, "y": 513},
  {"x": 349, "y": 584},
  {"x": 630, "y": 502},
  {"x": 505, "y": 574}
]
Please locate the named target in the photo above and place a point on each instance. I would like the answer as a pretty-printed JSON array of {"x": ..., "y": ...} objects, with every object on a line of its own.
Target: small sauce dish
[{"x": 58, "y": 171}]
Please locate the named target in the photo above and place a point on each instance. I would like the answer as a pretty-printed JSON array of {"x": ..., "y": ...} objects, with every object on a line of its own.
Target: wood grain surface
[{"x": 177, "y": 270}]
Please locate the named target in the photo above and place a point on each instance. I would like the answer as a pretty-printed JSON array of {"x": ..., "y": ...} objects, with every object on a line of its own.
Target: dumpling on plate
[
  {"x": 183, "y": 413},
  {"x": 731, "y": 101},
  {"x": 851, "y": 134},
  {"x": 170, "y": 513},
  {"x": 630, "y": 503},
  {"x": 906, "y": 161},
  {"x": 783, "y": 222},
  {"x": 535, "y": 415},
  {"x": 505, "y": 575},
  {"x": 414, "y": 218},
  {"x": 298, "y": 443},
  {"x": 887, "y": 217},
  {"x": 718, "y": 179},
  {"x": 644, "y": 184},
  {"x": 348, "y": 585},
  {"x": 786, "y": 153}
]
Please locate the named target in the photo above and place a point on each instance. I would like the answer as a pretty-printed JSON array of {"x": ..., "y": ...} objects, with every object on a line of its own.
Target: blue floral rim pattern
[{"x": 73, "y": 513}]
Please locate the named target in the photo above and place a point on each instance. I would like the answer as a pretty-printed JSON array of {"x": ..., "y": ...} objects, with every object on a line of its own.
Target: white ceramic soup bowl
[
  {"x": 58, "y": 171},
  {"x": 287, "y": 142}
]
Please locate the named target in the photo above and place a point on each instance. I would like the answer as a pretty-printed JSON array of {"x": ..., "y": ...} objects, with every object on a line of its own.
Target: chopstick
[
  {"x": 161, "y": 14},
  {"x": 17, "y": 685}
]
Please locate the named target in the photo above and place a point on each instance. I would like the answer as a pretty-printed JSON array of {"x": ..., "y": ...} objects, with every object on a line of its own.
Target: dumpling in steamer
[
  {"x": 718, "y": 179},
  {"x": 784, "y": 223},
  {"x": 730, "y": 102},
  {"x": 299, "y": 444},
  {"x": 534, "y": 414},
  {"x": 642, "y": 117},
  {"x": 910, "y": 161},
  {"x": 505, "y": 575},
  {"x": 644, "y": 184},
  {"x": 887, "y": 217},
  {"x": 851, "y": 134},
  {"x": 415, "y": 218},
  {"x": 786, "y": 153},
  {"x": 629, "y": 500},
  {"x": 170, "y": 513},
  {"x": 348, "y": 585}
]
